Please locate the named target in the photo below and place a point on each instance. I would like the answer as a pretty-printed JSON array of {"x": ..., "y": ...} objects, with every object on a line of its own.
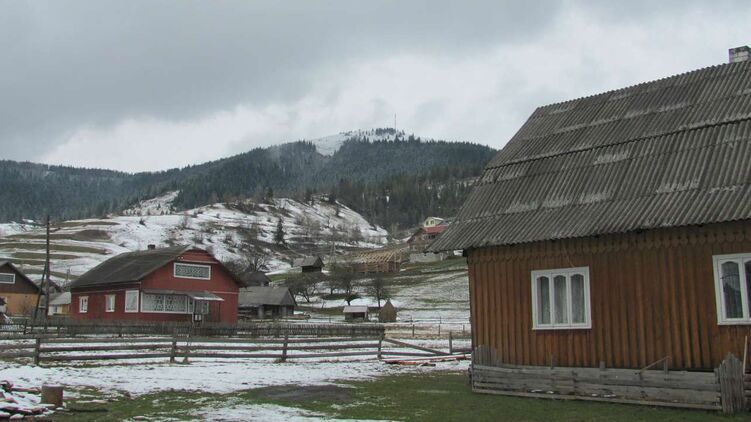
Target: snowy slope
[
  {"x": 227, "y": 230},
  {"x": 328, "y": 145}
]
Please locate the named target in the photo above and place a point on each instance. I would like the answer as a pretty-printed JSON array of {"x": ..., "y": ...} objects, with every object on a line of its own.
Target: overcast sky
[{"x": 149, "y": 85}]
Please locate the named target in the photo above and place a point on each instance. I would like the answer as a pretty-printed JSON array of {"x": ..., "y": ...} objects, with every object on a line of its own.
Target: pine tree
[{"x": 279, "y": 233}]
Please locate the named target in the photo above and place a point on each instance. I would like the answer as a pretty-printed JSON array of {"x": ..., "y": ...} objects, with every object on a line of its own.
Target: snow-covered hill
[
  {"x": 329, "y": 145},
  {"x": 230, "y": 231}
]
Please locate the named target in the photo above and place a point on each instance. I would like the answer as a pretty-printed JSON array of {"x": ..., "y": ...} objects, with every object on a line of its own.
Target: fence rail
[
  {"x": 69, "y": 328},
  {"x": 62, "y": 350}
]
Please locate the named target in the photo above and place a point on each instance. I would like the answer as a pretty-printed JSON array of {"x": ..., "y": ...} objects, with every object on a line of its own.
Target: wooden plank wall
[{"x": 652, "y": 295}]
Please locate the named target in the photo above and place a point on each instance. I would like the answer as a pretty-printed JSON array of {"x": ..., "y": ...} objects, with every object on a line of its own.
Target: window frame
[
  {"x": 13, "y": 278},
  {"x": 138, "y": 301},
  {"x": 174, "y": 271},
  {"x": 81, "y": 308},
  {"x": 551, "y": 274},
  {"x": 188, "y": 311},
  {"x": 110, "y": 297},
  {"x": 740, "y": 259}
]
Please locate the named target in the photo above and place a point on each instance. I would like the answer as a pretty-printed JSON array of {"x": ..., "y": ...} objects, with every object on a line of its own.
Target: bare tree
[
  {"x": 379, "y": 289},
  {"x": 343, "y": 277},
  {"x": 304, "y": 285}
]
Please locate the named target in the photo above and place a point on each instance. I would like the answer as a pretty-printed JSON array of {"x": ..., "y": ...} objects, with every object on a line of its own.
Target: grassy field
[{"x": 425, "y": 397}]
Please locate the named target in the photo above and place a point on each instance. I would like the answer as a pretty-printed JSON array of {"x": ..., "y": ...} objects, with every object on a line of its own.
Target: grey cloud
[{"x": 94, "y": 63}]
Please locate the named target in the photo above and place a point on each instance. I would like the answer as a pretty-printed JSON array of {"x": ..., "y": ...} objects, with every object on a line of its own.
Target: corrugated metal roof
[
  {"x": 265, "y": 295},
  {"x": 130, "y": 266},
  {"x": 671, "y": 152}
]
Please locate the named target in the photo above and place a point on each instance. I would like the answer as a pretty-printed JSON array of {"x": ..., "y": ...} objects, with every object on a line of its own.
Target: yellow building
[{"x": 17, "y": 291}]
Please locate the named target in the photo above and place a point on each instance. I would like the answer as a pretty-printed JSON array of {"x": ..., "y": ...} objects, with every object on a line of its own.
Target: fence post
[
  {"x": 284, "y": 348},
  {"x": 380, "y": 347},
  {"x": 37, "y": 346},
  {"x": 173, "y": 350},
  {"x": 730, "y": 377},
  {"x": 451, "y": 343}
]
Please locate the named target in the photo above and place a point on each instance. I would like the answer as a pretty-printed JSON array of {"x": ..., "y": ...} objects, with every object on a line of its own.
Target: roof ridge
[{"x": 664, "y": 78}]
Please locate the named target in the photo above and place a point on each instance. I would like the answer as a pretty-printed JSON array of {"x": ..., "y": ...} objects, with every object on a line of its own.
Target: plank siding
[{"x": 652, "y": 295}]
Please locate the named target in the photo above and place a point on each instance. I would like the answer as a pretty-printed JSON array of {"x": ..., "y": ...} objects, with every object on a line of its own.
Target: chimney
[
  {"x": 739, "y": 54},
  {"x": 151, "y": 246}
]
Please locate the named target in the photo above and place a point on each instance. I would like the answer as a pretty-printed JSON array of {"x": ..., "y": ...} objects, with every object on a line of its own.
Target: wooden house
[
  {"x": 355, "y": 313},
  {"x": 18, "y": 291},
  {"x": 266, "y": 302},
  {"x": 59, "y": 304},
  {"x": 168, "y": 284},
  {"x": 615, "y": 230},
  {"x": 309, "y": 264}
]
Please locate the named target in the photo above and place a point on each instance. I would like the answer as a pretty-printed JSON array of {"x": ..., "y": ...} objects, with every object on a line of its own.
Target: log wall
[{"x": 652, "y": 296}]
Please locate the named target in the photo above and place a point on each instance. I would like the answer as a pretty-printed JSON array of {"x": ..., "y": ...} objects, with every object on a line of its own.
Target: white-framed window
[
  {"x": 83, "y": 304},
  {"x": 560, "y": 299},
  {"x": 732, "y": 275},
  {"x": 166, "y": 304},
  {"x": 7, "y": 278},
  {"x": 200, "y": 272},
  {"x": 131, "y": 301},
  {"x": 109, "y": 303}
]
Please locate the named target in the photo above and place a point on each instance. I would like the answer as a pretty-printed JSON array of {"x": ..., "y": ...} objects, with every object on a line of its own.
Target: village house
[
  {"x": 615, "y": 230},
  {"x": 431, "y": 228},
  {"x": 309, "y": 264},
  {"x": 17, "y": 291},
  {"x": 266, "y": 302},
  {"x": 168, "y": 284},
  {"x": 59, "y": 304}
]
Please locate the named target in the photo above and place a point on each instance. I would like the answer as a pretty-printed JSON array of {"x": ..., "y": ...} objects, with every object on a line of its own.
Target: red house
[{"x": 168, "y": 284}]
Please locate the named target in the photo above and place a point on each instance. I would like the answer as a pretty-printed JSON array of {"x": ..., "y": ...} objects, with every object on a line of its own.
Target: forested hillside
[{"x": 392, "y": 182}]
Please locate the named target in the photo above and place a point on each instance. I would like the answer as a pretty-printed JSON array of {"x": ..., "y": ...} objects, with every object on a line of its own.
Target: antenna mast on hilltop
[{"x": 395, "y": 123}]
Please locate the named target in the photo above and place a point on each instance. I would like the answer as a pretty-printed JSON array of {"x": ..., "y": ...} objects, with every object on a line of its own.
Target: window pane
[
  {"x": 561, "y": 299},
  {"x": 543, "y": 300},
  {"x": 731, "y": 289},
  {"x": 131, "y": 301},
  {"x": 578, "y": 309}
]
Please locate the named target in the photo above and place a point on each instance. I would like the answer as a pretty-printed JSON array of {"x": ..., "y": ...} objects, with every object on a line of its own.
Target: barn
[
  {"x": 614, "y": 230},
  {"x": 166, "y": 284},
  {"x": 19, "y": 293}
]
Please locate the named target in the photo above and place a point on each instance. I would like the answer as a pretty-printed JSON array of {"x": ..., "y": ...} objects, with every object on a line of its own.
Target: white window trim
[
  {"x": 81, "y": 301},
  {"x": 138, "y": 301},
  {"x": 587, "y": 302},
  {"x": 12, "y": 277},
  {"x": 107, "y": 302},
  {"x": 719, "y": 297},
  {"x": 174, "y": 271},
  {"x": 187, "y": 312}
]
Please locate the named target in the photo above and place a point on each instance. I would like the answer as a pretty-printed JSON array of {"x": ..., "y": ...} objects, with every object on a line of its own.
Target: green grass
[{"x": 423, "y": 397}]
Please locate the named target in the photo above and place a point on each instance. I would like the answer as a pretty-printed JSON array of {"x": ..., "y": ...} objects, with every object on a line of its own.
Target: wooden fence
[
  {"x": 60, "y": 350},
  {"x": 68, "y": 328},
  {"x": 722, "y": 389}
]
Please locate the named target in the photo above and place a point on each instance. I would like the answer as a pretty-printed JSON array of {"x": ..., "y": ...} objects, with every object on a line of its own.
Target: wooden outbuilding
[
  {"x": 356, "y": 313},
  {"x": 18, "y": 291},
  {"x": 309, "y": 264},
  {"x": 168, "y": 284},
  {"x": 266, "y": 302},
  {"x": 615, "y": 229}
]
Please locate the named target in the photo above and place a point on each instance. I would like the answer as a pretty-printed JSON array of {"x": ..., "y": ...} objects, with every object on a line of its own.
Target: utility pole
[{"x": 48, "y": 280}]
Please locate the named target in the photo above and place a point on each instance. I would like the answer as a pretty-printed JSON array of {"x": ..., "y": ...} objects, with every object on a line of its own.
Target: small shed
[
  {"x": 387, "y": 313},
  {"x": 355, "y": 313},
  {"x": 256, "y": 278},
  {"x": 309, "y": 264},
  {"x": 60, "y": 304},
  {"x": 266, "y": 302}
]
